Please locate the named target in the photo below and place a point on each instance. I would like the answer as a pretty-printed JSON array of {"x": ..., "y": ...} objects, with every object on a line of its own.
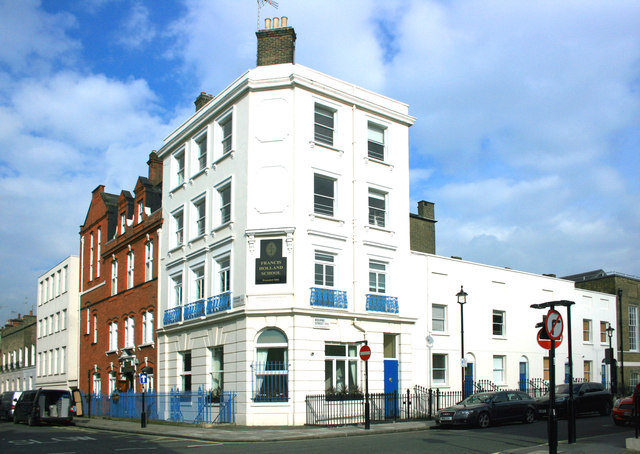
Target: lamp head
[{"x": 462, "y": 296}]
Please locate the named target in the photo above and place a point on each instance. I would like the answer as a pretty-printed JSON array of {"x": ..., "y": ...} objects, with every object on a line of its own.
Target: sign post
[
  {"x": 143, "y": 415},
  {"x": 365, "y": 354}
]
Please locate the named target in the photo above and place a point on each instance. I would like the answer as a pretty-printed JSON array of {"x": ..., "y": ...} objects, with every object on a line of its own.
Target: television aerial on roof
[{"x": 261, "y": 3}]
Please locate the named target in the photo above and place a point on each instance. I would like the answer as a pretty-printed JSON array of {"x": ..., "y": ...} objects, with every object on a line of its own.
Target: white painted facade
[
  {"x": 57, "y": 326},
  {"x": 510, "y": 294},
  {"x": 271, "y": 167}
]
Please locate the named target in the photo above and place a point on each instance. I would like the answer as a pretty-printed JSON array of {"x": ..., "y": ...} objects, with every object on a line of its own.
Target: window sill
[
  {"x": 148, "y": 344},
  {"x": 314, "y": 216},
  {"x": 379, "y": 229},
  {"x": 198, "y": 173},
  {"x": 228, "y": 224},
  {"x": 494, "y": 337},
  {"x": 177, "y": 188},
  {"x": 439, "y": 333},
  {"x": 368, "y": 159},
  {"x": 314, "y": 144},
  {"x": 224, "y": 157},
  {"x": 109, "y": 352}
]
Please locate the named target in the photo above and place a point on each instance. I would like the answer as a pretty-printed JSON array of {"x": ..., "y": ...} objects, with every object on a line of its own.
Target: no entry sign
[{"x": 365, "y": 352}]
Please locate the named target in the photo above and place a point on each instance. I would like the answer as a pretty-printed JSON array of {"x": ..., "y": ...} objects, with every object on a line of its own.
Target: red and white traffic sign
[
  {"x": 553, "y": 324},
  {"x": 365, "y": 352},
  {"x": 544, "y": 342}
]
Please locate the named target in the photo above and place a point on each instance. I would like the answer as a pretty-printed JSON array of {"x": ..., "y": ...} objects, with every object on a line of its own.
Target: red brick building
[{"x": 118, "y": 285}]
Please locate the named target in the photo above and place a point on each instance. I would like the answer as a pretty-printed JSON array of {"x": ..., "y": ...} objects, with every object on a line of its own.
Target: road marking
[
  {"x": 204, "y": 446},
  {"x": 134, "y": 449}
]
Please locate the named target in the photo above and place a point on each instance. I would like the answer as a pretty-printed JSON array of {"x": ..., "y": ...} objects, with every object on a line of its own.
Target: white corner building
[
  {"x": 57, "y": 326},
  {"x": 286, "y": 245}
]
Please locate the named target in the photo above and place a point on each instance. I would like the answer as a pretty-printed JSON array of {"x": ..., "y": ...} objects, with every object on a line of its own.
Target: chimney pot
[
  {"x": 267, "y": 23},
  {"x": 276, "y": 22},
  {"x": 284, "y": 21}
]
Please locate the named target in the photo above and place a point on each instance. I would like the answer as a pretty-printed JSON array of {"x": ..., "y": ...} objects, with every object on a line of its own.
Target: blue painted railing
[
  {"x": 179, "y": 406},
  {"x": 382, "y": 303},
  {"x": 194, "y": 310},
  {"x": 200, "y": 308},
  {"x": 219, "y": 303},
  {"x": 173, "y": 315},
  {"x": 326, "y": 297}
]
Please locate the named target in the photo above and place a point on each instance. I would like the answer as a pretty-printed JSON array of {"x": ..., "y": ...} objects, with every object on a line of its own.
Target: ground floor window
[
  {"x": 587, "y": 371},
  {"x": 439, "y": 369},
  {"x": 217, "y": 371},
  {"x": 271, "y": 368},
  {"x": 498, "y": 369},
  {"x": 341, "y": 368},
  {"x": 112, "y": 382},
  {"x": 97, "y": 389},
  {"x": 185, "y": 361}
]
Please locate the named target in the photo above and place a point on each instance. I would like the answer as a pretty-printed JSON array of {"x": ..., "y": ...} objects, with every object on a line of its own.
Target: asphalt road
[{"x": 22, "y": 439}]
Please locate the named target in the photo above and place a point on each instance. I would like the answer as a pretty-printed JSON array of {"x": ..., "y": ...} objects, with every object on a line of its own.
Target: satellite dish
[{"x": 429, "y": 341}]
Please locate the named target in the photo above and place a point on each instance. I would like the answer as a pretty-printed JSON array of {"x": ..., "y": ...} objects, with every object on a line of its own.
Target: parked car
[
  {"x": 8, "y": 401},
  {"x": 622, "y": 410},
  {"x": 482, "y": 409},
  {"x": 44, "y": 405},
  {"x": 587, "y": 397}
]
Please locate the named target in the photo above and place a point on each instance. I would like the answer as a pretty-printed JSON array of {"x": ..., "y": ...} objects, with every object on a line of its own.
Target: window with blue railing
[
  {"x": 323, "y": 294},
  {"x": 377, "y": 300},
  {"x": 271, "y": 369}
]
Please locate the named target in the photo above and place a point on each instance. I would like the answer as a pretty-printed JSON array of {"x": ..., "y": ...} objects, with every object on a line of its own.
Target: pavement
[{"x": 248, "y": 434}]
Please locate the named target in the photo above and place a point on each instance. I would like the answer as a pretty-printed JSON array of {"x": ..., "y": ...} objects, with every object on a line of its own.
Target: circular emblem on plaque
[{"x": 271, "y": 249}]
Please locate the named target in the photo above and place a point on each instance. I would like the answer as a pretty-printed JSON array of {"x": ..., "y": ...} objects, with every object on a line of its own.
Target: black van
[
  {"x": 44, "y": 405},
  {"x": 8, "y": 401}
]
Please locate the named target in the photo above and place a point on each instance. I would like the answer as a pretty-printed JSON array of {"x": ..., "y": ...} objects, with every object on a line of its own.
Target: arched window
[{"x": 271, "y": 368}]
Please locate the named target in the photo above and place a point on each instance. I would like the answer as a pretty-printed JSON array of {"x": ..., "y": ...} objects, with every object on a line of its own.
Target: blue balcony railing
[
  {"x": 173, "y": 315},
  {"x": 219, "y": 303},
  {"x": 326, "y": 297},
  {"x": 382, "y": 303},
  {"x": 198, "y": 309},
  {"x": 194, "y": 310}
]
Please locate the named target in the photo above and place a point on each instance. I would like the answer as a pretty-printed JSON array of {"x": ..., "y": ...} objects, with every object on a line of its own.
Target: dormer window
[
  {"x": 140, "y": 211},
  {"x": 123, "y": 222}
]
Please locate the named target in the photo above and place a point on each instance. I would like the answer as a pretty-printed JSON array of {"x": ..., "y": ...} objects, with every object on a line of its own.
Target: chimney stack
[
  {"x": 202, "y": 99},
  {"x": 155, "y": 168},
  {"x": 276, "y": 42}
]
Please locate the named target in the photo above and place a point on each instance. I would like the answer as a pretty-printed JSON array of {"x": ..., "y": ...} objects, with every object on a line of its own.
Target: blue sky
[{"x": 526, "y": 139}]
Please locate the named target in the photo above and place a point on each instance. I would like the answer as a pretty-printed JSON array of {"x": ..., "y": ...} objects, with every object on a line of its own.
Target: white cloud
[{"x": 137, "y": 30}]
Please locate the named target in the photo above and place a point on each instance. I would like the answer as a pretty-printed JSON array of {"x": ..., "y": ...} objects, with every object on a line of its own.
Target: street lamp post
[
  {"x": 462, "y": 300},
  {"x": 613, "y": 379}
]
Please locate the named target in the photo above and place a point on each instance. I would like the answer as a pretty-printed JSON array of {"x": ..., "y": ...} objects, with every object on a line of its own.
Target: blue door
[
  {"x": 468, "y": 380},
  {"x": 523, "y": 376},
  {"x": 391, "y": 388}
]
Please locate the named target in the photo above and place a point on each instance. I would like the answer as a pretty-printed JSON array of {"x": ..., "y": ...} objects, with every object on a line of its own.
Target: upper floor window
[
  {"x": 201, "y": 145},
  {"x": 603, "y": 332},
  {"x": 177, "y": 290},
  {"x": 148, "y": 261},
  {"x": 198, "y": 278},
  {"x": 377, "y": 208},
  {"x": 98, "y": 255},
  {"x": 88, "y": 321},
  {"x": 123, "y": 222},
  {"x": 438, "y": 318},
  {"x": 130, "y": 269},
  {"x": 633, "y": 328},
  {"x": 324, "y": 124},
  {"x": 95, "y": 328},
  {"x": 324, "y": 269},
  {"x": 178, "y": 228},
  {"x": 375, "y": 144},
  {"x": 147, "y": 328},
  {"x": 129, "y": 332},
  {"x": 225, "y": 203},
  {"x": 323, "y": 195},
  {"x": 140, "y": 211},
  {"x": 377, "y": 276},
  {"x": 199, "y": 212},
  {"x": 178, "y": 165},
  {"x": 226, "y": 133},
  {"x": 114, "y": 277},
  {"x": 224, "y": 274},
  {"x": 586, "y": 330},
  {"x": 91, "y": 256},
  {"x": 113, "y": 336},
  {"x": 498, "y": 323}
]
